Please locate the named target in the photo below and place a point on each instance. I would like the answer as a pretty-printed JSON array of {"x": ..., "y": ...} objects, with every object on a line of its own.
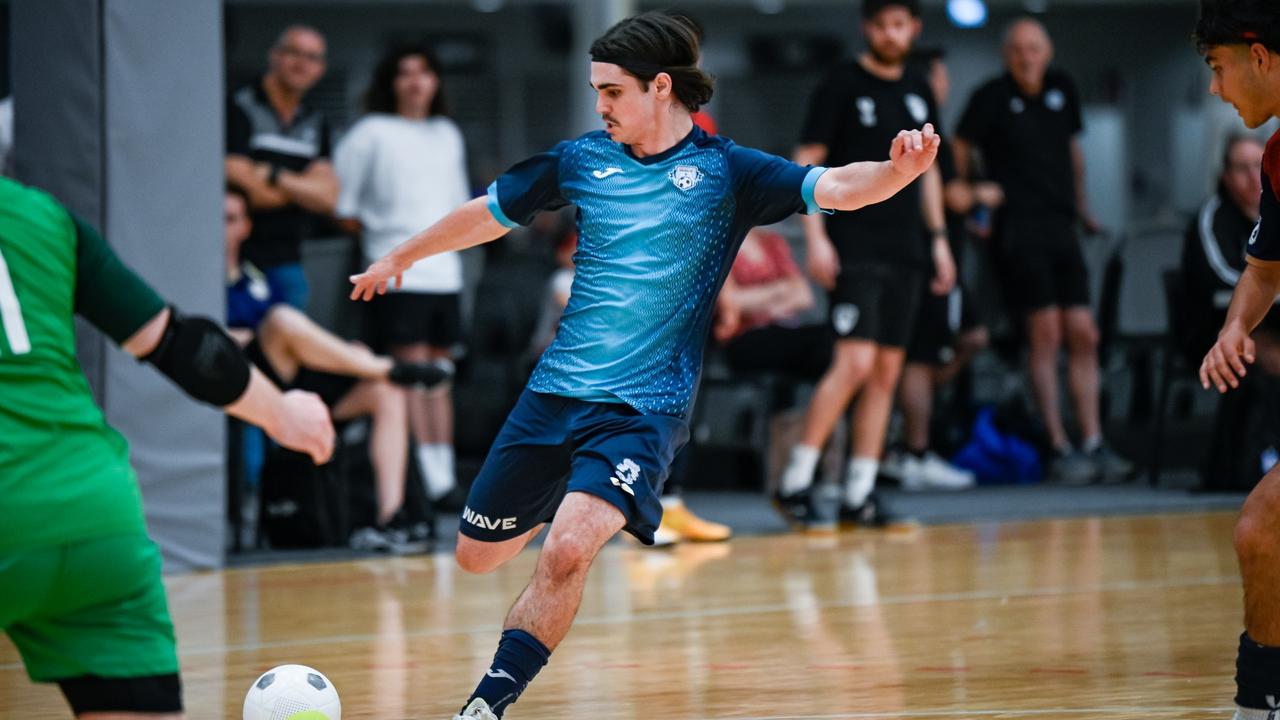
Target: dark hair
[
  {"x": 381, "y": 95},
  {"x": 1238, "y": 22},
  {"x": 871, "y": 7},
  {"x": 1234, "y": 139},
  {"x": 234, "y": 189},
  {"x": 656, "y": 42}
]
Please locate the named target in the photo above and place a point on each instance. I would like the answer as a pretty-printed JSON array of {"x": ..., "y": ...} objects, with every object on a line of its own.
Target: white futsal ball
[{"x": 292, "y": 692}]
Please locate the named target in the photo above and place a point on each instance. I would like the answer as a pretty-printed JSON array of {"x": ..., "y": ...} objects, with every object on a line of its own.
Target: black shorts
[
  {"x": 410, "y": 318},
  {"x": 943, "y": 318},
  {"x": 552, "y": 445},
  {"x": 331, "y": 388},
  {"x": 1040, "y": 263},
  {"x": 877, "y": 302}
]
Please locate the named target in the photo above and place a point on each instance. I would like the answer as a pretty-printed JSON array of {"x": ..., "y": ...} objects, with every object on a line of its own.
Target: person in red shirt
[{"x": 1240, "y": 41}]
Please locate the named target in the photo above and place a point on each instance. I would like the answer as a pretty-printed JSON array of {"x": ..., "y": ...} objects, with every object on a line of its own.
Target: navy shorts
[{"x": 553, "y": 445}]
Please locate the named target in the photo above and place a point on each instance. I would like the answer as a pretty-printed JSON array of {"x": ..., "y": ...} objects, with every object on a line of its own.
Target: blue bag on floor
[{"x": 997, "y": 457}]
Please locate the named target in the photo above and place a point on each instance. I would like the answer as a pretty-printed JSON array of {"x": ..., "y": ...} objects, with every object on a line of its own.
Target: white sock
[
  {"x": 1252, "y": 714},
  {"x": 671, "y": 501},
  {"x": 436, "y": 463},
  {"x": 445, "y": 451},
  {"x": 1088, "y": 445},
  {"x": 798, "y": 475},
  {"x": 859, "y": 480}
]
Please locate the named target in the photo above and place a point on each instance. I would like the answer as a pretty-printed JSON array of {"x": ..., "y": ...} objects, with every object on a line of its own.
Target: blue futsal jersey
[{"x": 656, "y": 238}]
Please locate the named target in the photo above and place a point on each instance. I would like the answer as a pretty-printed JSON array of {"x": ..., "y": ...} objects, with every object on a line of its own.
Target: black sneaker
[
  {"x": 873, "y": 514},
  {"x": 796, "y": 508},
  {"x": 424, "y": 375}
]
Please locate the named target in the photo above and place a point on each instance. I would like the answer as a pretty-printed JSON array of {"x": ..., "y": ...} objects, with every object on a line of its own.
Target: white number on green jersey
[{"x": 11, "y": 314}]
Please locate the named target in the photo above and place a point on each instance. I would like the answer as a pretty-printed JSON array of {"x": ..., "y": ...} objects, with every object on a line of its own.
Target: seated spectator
[
  {"x": 771, "y": 294},
  {"x": 1213, "y": 256},
  {"x": 295, "y": 352}
]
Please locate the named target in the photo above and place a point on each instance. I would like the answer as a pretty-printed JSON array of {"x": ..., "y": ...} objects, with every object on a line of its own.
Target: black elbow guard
[{"x": 197, "y": 355}]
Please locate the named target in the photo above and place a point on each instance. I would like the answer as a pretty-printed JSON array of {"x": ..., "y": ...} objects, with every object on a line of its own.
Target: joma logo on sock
[{"x": 479, "y": 520}]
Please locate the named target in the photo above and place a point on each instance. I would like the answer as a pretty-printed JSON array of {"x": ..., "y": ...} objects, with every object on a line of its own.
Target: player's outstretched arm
[
  {"x": 470, "y": 225},
  {"x": 1224, "y": 364},
  {"x": 193, "y": 352},
  {"x": 864, "y": 183},
  {"x": 202, "y": 360}
]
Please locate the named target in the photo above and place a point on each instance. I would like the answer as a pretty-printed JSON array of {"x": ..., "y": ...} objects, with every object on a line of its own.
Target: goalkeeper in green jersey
[{"x": 80, "y": 589}]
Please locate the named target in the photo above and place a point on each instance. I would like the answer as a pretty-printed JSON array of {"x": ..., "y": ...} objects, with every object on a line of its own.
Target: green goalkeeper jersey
[{"x": 64, "y": 473}]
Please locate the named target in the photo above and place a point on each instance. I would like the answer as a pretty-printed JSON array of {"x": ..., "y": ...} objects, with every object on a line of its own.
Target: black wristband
[{"x": 273, "y": 178}]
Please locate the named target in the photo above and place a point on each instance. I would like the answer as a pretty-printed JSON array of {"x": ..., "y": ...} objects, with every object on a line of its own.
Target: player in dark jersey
[
  {"x": 1240, "y": 40},
  {"x": 662, "y": 209},
  {"x": 876, "y": 262}
]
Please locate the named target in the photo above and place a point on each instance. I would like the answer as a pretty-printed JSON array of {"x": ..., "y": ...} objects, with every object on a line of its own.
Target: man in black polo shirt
[
  {"x": 874, "y": 261},
  {"x": 278, "y": 152},
  {"x": 1026, "y": 123}
]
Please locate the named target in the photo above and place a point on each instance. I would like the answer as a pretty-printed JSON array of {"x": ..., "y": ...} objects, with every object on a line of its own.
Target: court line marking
[
  {"x": 1145, "y": 711},
  {"x": 729, "y": 611}
]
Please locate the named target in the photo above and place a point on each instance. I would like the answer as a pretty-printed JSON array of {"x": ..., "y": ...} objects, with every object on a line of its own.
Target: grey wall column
[
  {"x": 118, "y": 112},
  {"x": 590, "y": 19}
]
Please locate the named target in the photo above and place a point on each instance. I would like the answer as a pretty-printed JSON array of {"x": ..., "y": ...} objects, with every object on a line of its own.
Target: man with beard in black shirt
[
  {"x": 1026, "y": 122},
  {"x": 873, "y": 261}
]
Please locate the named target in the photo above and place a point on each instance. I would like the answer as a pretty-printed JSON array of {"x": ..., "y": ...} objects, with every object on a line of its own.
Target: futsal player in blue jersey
[{"x": 662, "y": 208}]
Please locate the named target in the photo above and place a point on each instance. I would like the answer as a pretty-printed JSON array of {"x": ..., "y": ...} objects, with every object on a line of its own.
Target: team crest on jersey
[
  {"x": 918, "y": 108},
  {"x": 685, "y": 176},
  {"x": 1017, "y": 105},
  {"x": 1055, "y": 100},
  {"x": 866, "y": 111}
]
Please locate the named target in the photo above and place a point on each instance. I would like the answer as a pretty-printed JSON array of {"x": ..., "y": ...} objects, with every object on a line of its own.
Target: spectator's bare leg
[
  {"x": 440, "y": 405},
  {"x": 291, "y": 340},
  {"x": 388, "y": 440},
  {"x": 1082, "y": 369},
  {"x": 851, "y": 364},
  {"x": 1044, "y": 330},
  {"x": 419, "y": 416},
  {"x": 916, "y": 397},
  {"x": 970, "y": 343},
  {"x": 871, "y": 415}
]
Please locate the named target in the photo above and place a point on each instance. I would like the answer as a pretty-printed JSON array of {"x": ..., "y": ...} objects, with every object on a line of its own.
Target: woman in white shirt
[{"x": 401, "y": 168}]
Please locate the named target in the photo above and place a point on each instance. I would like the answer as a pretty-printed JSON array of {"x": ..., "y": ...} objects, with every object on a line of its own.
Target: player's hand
[
  {"x": 944, "y": 268},
  {"x": 375, "y": 279},
  {"x": 728, "y": 317},
  {"x": 1224, "y": 365},
  {"x": 1090, "y": 224},
  {"x": 913, "y": 151},
  {"x": 305, "y": 426},
  {"x": 822, "y": 262}
]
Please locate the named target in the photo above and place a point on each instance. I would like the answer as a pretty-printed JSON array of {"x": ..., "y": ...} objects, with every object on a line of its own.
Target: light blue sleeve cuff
[
  {"x": 496, "y": 208},
  {"x": 806, "y": 192}
]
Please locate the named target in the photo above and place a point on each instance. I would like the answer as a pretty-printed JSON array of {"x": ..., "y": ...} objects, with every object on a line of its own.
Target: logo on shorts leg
[
  {"x": 481, "y": 521},
  {"x": 844, "y": 317},
  {"x": 625, "y": 474}
]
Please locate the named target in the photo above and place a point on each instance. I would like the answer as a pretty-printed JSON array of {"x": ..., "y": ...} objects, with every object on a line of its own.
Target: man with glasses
[{"x": 278, "y": 150}]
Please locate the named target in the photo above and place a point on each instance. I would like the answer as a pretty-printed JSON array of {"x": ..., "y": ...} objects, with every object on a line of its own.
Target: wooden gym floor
[{"x": 1118, "y": 618}]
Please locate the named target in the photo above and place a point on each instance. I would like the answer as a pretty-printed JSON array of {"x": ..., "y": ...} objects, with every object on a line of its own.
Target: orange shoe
[{"x": 681, "y": 520}]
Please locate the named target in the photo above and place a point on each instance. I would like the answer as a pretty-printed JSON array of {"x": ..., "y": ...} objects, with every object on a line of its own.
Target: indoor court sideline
[{"x": 1121, "y": 617}]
